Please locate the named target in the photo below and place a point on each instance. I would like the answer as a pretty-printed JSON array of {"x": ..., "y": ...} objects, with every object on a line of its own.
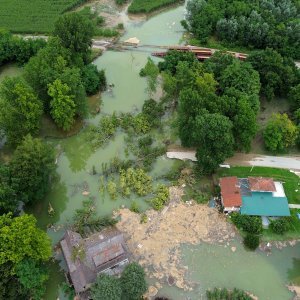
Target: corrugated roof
[
  {"x": 230, "y": 191},
  {"x": 261, "y": 184},
  {"x": 264, "y": 204}
]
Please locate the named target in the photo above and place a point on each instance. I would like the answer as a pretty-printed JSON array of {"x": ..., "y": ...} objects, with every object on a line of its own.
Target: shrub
[
  {"x": 134, "y": 207},
  {"x": 279, "y": 226},
  {"x": 251, "y": 241},
  {"x": 224, "y": 294},
  {"x": 161, "y": 198},
  {"x": 249, "y": 224},
  {"x": 144, "y": 218}
]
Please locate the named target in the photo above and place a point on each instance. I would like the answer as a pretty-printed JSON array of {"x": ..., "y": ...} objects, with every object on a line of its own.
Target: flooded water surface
[{"x": 208, "y": 265}]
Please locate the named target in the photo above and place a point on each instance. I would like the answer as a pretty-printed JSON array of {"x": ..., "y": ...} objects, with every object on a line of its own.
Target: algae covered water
[{"x": 208, "y": 265}]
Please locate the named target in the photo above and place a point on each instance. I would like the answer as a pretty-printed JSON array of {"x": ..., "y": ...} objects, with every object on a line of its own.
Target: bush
[
  {"x": 106, "y": 287},
  {"x": 279, "y": 226},
  {"x": 251, "y": 241},
  {"x": 249, "y": 224},
  {"x": 134, "y": 207},
  {"x": 161, "y": 198},
  {"x": 93, "y": 80},
  {"x": 133, "y": 282},
  {"x": 224, "y": 294}
]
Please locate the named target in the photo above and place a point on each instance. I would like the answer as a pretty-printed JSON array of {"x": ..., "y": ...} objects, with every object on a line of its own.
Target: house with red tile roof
[
  {"x": 230, "y": 194},
  {"x": 254, "y": 196}
]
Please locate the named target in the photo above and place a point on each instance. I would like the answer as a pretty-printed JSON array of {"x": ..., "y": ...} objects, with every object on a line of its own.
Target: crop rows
[
  {"x": 147, "y": 6},
  {"x": 34, "y": 16}
]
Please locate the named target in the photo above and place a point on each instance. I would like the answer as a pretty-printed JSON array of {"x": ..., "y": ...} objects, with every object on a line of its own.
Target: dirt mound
[{"x": 155, "y": 244}]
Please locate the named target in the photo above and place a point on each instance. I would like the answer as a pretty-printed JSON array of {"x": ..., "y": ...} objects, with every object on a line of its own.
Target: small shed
[{"x": 102, "y": 252}]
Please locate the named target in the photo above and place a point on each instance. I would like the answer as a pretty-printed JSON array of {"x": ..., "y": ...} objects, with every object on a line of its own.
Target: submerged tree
[
  {"x": 21, "y": 239},
  {"x": 62, "y": 104},
  {"x": 31, "y": 168},
  {"x": 20, "y": 109}
]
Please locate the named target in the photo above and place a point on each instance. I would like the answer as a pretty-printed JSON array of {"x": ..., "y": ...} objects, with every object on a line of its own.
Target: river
[{"x": 208, "y": 265}]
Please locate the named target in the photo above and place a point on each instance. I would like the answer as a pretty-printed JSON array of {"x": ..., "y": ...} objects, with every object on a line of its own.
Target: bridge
[{"x": 201, "y": 53}]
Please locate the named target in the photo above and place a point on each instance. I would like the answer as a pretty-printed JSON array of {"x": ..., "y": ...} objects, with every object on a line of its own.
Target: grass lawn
[
  {"x": 291, "y": 182},
  {"x": 34, "y": 16},
  {"x": 148, "y": 6}
]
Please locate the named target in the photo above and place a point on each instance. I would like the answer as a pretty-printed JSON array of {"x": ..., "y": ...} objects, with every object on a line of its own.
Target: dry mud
[{"x": 155, "y": 244}]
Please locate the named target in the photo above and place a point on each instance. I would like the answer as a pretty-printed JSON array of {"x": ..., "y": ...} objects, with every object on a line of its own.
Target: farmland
[
  {"x": 148, "y": 6},
  {"x": 34, "y": 16}
]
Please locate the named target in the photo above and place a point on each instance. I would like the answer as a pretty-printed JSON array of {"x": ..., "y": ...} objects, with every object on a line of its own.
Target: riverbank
[{"x": 156, "y": 244}]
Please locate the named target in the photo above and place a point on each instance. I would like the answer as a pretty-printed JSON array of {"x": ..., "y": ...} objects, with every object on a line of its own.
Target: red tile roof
[
  {"x": 261, "y": 184},
  {"x": 230, "y": 191}
]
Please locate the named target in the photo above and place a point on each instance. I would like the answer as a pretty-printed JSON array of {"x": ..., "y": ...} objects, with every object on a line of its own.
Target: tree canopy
[
  {"x": 8, "y": 197},
  {"x": 75, "y": 32},
  {"x": 20, "y": 109},
  {"x": 62, "y": 104},
  {"x": 254, "y": 24},
  {"x": 31, "y": 167},
  {"x": 280, "y": 133},
  {"x": 106, "y": 287},
  {"x": 20, "y": 239},
  {"x": 133, "y": 282},
  {"x": 214, "y": 139}
]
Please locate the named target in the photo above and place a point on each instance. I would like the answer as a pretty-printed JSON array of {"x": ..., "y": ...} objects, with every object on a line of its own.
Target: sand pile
[{"x": 155, "y": 244}]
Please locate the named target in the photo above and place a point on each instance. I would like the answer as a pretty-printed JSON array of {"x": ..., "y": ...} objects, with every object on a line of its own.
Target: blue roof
[{"x": 264, "y": 204}]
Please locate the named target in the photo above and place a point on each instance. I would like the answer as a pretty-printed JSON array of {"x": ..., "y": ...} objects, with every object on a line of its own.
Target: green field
[
  {"x": 33, "y": 16},
  {"x": 291, "y": 182},
  {"x": 148, "y": 6}
]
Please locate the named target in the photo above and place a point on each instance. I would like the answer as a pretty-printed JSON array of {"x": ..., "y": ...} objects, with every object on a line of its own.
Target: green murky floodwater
[{"x": 208, "y": 265}]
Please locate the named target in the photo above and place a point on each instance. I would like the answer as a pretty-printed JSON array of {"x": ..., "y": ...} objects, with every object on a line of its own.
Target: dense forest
[{"x": 256, "y": 24}]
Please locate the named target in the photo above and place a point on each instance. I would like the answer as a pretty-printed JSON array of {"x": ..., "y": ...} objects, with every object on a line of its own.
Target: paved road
[
  {"x": 242, "y": 159},
  {"x": 284, "y": 162}
]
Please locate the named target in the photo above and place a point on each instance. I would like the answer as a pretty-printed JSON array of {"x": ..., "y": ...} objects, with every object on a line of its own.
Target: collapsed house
[{"x": 86, "y": 258}]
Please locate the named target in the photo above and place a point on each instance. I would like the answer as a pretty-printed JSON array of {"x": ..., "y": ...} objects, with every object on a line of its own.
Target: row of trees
[
  {"x": 255, "y": 24},
  {"x": 55, "y": 81},
  {"x": 25, "y": 249},
  {"x": 16, "y": 49}
]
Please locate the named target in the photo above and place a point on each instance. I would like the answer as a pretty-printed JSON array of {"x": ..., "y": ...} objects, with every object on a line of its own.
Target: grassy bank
[
  {"x": 148, "y": 6},
  {"x": 35, "y": 16},
  {"x": 291, "y": 182}
]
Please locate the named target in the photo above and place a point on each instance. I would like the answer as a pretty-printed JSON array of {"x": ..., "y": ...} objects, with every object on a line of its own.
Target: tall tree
[
  {"x": 214, "y": 138},
  {"x": 133, "y": 282},
  {"x": 62, "y": 104},
  {"x": 32, "y": 275},
  {"x": 242, "y": 77},
  {"x": 244, "y": 125},
  {"x": 280, "y": 133},
  {"x": 106, "y": 287},
  {"x": 31, "y": 167},
  {"x": 20, "y": 109},
  {"x": 20, "y": 239},
  {"x": 75, "y": 32},
  {"x": 8, "y": 198},
  {"x": 277, "y": 74},
  {"x": 45, "y": 67}
]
